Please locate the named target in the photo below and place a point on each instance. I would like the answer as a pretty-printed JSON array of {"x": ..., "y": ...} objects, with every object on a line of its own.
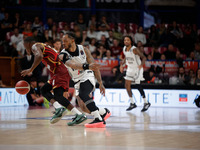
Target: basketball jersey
[
  {"x": 76, "y": 74},
  {"x": 50, "y": 57},
  {"x": 132, "y": 60},
  {"x": 133, "y": 73}
]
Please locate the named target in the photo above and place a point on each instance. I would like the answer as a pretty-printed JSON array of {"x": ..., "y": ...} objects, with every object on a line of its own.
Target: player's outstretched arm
[
  {"x": 77, "y": 66},
  {"x": 38, "y": 56},
  {"x": 97, "y": 72}
]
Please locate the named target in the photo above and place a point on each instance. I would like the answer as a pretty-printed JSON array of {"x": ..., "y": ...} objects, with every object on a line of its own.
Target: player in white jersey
[
  {"x": 134, "y": 72},
  {"x": 84, "y": 79}
]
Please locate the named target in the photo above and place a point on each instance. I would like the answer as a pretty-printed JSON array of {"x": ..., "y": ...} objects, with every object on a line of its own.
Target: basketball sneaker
[
  {"x": 146, "y": 107},
  {"x": 77, "y": 119},
  {"x": 197, "y": 101},
  {"x": 106, "y": 115},
  {"x": 131, "y": 106},
  {"x": 58, "y": 114},
  {"x": 96, "y": 123},
  {"x": 46, "y": 103}
]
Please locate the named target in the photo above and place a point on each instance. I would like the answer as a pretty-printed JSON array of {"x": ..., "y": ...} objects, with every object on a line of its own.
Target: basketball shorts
[
  {"x": 86, "y": 77},
  {"x": 60, "y": 78},
  {"x": 134, "y": 75}
]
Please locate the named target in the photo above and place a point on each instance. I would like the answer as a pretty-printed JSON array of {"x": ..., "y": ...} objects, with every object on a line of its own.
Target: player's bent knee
[
  {"x": 62, "y": 100},
  {"x": 57, "y": 98},
  {"x": 84, "y": 96},
  {"x": 89, "y": 102}
]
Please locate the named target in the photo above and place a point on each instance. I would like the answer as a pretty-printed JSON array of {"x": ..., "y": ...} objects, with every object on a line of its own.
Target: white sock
[
  {"x": 76, "y": 111},
  {"x": 145, "y": 100},
  {"x": 73, "y": 101},
  {"x": 102, "y": 111},
  {"x": 96, "y": 114},
  {"x": 56, "y": 105},
  {"x": 131, "y": 99}
]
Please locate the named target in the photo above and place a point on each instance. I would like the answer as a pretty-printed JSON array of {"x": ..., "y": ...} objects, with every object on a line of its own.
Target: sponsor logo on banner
[
  {"x": 183, "y": 98},
  {"x": 9, "y": 97},
  {"x": 157, "y": 97}
]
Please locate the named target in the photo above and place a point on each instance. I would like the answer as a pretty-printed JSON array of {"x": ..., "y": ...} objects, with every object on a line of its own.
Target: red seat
[
  {"x": 147, "y": 50},
  {"x": 162, "y": 49},
  {"x": 121, "y": 27},
  {"x": 112, "y": 26},
  {"x": 8, "y": 36},
  {"x": 183, "y": 56},
  {"x": 72, "y": 25},
  {"x": 176, "y": 49},
  {"x": 133, "y": 27},
  {"x": 61, "y": 25}
]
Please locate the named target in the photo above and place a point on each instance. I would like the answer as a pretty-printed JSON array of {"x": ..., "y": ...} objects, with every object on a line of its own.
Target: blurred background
[{"x": 170, "y": 31}]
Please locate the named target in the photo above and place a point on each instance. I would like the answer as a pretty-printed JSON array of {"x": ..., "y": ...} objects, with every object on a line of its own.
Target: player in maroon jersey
[{"x": 59, "y": 81}]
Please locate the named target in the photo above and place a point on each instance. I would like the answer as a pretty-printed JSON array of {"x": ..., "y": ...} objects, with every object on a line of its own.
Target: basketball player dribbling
[{"x": 59, "y": 81}]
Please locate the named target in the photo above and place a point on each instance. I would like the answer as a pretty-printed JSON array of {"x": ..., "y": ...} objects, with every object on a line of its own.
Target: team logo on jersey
[{"x": 82, "y": 52}]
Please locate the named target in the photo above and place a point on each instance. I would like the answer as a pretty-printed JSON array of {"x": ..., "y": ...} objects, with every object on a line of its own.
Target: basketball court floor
[{"x": 23, "y": 128}]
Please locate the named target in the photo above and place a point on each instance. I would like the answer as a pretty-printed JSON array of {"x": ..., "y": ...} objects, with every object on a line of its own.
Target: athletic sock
[
  {"x": 73, "y": 101},
  {"x": 56, "y": 105},
  {"x": 145, "y": 100},
  {"x": 102, "y": 111},
  {"x": 131, "y": 99},
  {"x": 76, "y": 111},
  {"x": 96, "y": 114}
]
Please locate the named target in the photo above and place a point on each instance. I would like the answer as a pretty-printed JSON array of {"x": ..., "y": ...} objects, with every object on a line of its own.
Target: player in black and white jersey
[
  {"x": 84, "y": 79},
  {"x": 134, "y": 72}
]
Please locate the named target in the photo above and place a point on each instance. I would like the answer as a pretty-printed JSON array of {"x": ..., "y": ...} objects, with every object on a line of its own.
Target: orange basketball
[{"x": 22, "y": 87}]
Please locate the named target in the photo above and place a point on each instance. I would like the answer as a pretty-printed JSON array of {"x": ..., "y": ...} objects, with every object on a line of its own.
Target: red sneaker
[
  {"x": 106, "y": 115},
  {"x": 96, "y": 123}
]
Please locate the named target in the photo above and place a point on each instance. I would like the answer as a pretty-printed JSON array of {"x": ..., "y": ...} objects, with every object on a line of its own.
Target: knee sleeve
[
  {"x": 84, "y": 96},
  {"x": 89, "y": 102},
  {"x": 58, "y": 96},
  {"x": 140, "y": 89},
  {"x": 84, "y": 91},
  {"x": 45, "y": 91}
]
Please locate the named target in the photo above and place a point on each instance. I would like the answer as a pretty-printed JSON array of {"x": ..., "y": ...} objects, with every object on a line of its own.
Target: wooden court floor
[{"x": 23, "y": 128}]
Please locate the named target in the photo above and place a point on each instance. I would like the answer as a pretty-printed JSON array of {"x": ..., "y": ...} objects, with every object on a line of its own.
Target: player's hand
[
  {"x": 102, "y": 89},
  {"x": 140, "y": 66},
  {"x": 66, "y": 95},
  {"x": 25, "y": 72},
  {"x": 30, "y": 74},
  {"x": 94, "y": 66}
]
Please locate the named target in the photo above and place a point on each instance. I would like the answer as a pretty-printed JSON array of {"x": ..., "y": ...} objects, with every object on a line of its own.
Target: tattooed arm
[
  {"x": 74, "y": 65},
  {"x": 97, "y": 73},
  {"x": 122, "y": 65},
  {"x": 70, "y": 63}
]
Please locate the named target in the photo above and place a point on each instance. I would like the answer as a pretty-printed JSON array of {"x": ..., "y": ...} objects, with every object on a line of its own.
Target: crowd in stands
[{"x": 164, "y": 41}]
